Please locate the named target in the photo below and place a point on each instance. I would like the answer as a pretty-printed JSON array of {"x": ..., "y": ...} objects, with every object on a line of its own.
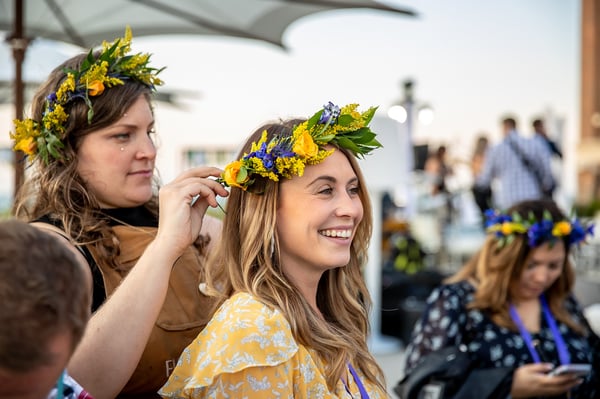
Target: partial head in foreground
[{"x": 45, "y": 294}]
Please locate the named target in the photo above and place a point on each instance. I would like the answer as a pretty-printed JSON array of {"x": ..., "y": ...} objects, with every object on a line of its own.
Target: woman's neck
[
  {"x": 529, "y": 311},
  {"x": 308, "y": 285}
]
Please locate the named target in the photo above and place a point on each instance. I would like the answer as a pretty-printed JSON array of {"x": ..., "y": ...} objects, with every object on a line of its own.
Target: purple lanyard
[
  {"x": 561, "y": 347},
  {"x": 361, "y": 387}
]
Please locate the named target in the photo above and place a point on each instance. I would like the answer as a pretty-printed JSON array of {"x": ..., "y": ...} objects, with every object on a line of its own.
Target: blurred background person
[
  {"x": 539, "y": 130},
  {"x": 513, "y": 308},
  {"x": 481, "y": 195},
  {"x": 520, "y": 165},
  {"x": 438, "y": 170}
]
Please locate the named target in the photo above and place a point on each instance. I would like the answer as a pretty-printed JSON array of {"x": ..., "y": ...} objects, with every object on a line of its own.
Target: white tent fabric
[{"x": 87, "y": 23}]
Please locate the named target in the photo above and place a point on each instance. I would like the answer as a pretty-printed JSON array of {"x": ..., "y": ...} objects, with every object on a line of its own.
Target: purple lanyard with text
[
  {"x": 361, "y": 387},
  {"x": 561, "y": 347}
]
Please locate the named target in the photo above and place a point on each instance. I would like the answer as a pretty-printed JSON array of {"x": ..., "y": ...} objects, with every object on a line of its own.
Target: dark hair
[
  {"x": 43, "y": 292},
  {"x": 510, "y": 122}
]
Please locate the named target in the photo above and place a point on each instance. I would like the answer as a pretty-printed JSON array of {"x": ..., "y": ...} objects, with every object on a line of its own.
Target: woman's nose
[
  {"x": 147, "y": 149},
  {"x": 541, "y": 274},
  {"x": 349, "y": 206}
]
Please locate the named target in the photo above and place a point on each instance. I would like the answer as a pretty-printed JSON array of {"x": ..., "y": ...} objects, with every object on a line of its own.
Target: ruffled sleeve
[{"x": 236, "y": 353}]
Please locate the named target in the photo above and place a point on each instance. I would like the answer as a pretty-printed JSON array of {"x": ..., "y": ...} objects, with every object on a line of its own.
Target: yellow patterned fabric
[{"x": 247, "y": 351}]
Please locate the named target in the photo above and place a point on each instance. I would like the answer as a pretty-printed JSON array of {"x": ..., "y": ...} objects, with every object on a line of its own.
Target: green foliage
[{"x": 591, "y": 209}]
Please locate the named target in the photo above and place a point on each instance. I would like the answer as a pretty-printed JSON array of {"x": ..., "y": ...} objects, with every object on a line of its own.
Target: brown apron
[{"x": 183, "y": 315}]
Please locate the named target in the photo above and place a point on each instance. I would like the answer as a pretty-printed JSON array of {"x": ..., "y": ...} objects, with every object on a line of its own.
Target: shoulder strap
[
  {"x": 99, "y": 294},
  {"x": 526, "y": 162}
]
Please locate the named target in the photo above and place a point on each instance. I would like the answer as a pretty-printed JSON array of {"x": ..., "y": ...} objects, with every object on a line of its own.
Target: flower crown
[
  {"x": 111, "y": 68},
  {"x": 288, "y": 156},
  {"x": 506, "y": 227}
]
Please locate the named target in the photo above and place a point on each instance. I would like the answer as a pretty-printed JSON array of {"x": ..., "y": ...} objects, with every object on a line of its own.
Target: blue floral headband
[{"x": 506, "y": 227}]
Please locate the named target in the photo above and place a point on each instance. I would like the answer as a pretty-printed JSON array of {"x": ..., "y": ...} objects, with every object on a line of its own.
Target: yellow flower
[
  {"x": 235, "y": 174},
  {"x": 54, "y": 122},
  {"x": 68, "y": 85},
  {"x": 95, "y": 88},
  {"x": 508, "y": 228},
  {"x": 97, "y": 71},
  {"x": 27, "y": 145},
  {"x": 305, "y": 146},
  {"x": 561, "y": 229}
]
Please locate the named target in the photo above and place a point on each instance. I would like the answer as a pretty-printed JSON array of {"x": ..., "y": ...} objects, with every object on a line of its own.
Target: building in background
[{"x": 588, "y": 151}]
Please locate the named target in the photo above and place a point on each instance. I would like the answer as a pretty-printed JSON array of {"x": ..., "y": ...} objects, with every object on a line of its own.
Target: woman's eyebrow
[{"x": 330, "y": 179}]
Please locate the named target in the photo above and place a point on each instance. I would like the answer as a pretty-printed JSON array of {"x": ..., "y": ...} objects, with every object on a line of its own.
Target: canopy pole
[{"x": 19, "y": 44}]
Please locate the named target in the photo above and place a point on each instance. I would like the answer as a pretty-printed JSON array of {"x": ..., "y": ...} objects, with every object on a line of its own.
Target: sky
[{"x": 472, "y": 61}]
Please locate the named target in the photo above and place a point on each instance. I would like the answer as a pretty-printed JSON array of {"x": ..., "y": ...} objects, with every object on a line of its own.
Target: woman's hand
[
  {"x": 533, "y": 380},
  {"x": 180, "y": 212}
]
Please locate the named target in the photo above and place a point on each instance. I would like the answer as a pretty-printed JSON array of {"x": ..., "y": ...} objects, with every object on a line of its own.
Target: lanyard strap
[
  {"x": 60, "y": 388},
  {"x": 561, "y": 347},
  {"x": 361, "y": 387}
]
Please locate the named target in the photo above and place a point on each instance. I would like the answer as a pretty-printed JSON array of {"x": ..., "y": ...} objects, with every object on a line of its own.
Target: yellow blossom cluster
[{"x": 96, "y": 73}]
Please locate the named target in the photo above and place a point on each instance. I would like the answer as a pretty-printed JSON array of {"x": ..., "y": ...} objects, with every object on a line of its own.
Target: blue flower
[
  {"x": 330, "y": 113},
  {"x": 578, "y": 232},
  {"x": 493, "y": 218},
  {"x": 540, "y": 232}
]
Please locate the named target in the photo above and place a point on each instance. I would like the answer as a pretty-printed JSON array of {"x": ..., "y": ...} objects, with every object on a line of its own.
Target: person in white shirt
[{"x": 520, "y": 165}]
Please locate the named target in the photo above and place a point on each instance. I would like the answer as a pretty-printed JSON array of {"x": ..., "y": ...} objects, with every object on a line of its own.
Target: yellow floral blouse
[{"x": 247, "y": 351}]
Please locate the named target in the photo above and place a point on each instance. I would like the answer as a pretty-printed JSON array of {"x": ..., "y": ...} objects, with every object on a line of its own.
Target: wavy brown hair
[
  {"x": 243, "y": 262},
  {"x": 55, "y": 189},
  {"x": 495, "y": 268}
]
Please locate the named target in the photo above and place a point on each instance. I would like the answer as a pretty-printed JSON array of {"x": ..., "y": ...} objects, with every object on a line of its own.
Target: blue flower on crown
[
  {"x": 330, "y": 113},
  {"x": 540, "y": 232},
  {"x": 493, "y": 218},
  {"x": 579, "y": 232},
  {"x": 268, "y": 158}
]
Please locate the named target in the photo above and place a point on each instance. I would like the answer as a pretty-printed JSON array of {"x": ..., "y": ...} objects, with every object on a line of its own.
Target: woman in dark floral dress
[{"x": 513, "y": 307}]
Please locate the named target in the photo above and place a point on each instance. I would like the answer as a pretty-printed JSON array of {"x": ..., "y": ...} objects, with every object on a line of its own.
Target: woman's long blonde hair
[
  {"x": 246, "y": 260},
  {"x": 495, "y": 268}
]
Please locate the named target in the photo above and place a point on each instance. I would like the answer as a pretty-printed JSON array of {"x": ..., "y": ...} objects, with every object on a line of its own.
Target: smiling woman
[{"x": 293, "y": 306}]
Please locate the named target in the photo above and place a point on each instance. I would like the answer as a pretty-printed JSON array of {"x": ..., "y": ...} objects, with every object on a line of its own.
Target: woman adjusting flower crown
[{"x": 90, "y": 142}]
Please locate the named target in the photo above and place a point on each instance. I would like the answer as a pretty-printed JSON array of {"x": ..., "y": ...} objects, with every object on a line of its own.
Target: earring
[{"x": 122, "y": 149}]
